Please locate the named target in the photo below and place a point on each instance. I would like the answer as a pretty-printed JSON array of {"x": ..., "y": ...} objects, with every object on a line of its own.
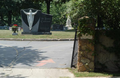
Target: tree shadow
[
  {"x": 11, "y": 56},
  {"x": 3, "y": 75}
]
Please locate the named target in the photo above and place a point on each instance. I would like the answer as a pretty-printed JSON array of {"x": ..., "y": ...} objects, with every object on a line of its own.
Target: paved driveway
[{"x": 36, "y": 54}]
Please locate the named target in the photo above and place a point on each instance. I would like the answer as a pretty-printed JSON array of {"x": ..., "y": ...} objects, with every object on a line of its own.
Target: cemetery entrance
[{"x": 37, "y": 54}]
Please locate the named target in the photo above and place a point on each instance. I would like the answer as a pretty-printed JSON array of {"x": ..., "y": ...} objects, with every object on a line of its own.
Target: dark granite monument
[
  {"x": 57, "y": 27},
  {"x": 35, "y": 22}
]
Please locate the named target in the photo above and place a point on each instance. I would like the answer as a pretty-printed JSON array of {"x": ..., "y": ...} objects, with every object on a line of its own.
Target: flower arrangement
[{"x": 15, "y": 28}]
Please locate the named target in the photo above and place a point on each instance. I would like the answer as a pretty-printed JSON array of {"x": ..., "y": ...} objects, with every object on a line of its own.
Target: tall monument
[
  {"x": 35, "y": 22},
  {"x": 30, "y": 17}
]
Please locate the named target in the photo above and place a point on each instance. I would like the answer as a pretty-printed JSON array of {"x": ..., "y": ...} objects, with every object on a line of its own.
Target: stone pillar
[
  {"x": 86, "y": 47},
  {"x": 85, "y": 55}
]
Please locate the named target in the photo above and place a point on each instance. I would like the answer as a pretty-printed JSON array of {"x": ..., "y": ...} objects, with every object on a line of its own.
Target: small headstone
[
  {"x": 57, "y": 27},
  {"x": 14, "y": 34},
  {"x": 10, "y": 28},
  {"x": 19, "y": 28}
]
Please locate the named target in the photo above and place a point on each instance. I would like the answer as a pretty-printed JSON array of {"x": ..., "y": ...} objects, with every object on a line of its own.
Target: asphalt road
[{"x": 36, "y": 54}]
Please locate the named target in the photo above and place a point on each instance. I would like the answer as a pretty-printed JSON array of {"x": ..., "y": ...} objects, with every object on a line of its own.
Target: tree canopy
[
  {"x": 106, "y": 12},
  {"x": 48, "y": 2},
  {"x": 10, "y": 9}
]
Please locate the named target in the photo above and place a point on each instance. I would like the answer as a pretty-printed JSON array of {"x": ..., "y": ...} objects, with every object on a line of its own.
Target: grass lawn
[
  {"x": 93, "y": 74},
  {"x": 55, "y": 35}
]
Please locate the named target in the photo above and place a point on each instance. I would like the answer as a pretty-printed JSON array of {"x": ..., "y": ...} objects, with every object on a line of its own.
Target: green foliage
[
  {"x": 76, "y": 13},
  {"x": 106, "y": 13},
  {"x": 30, "y": 4},
  {"x": 107, "y": 10},
  {"x": 10, "y": 10},
  {"x": 85, "y": 26},
  {"x": 114, "y": 34},
  {"x": 48, "y": 3},
  {"x": 58, "y": 12},
  {"x": 43, "y": 7}
]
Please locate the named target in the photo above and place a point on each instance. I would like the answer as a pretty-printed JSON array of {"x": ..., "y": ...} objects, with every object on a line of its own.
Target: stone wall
[
  {"x": 86, "y": 48},
  {"x": 105, "y": 61},
  {"x": 94, "y": 57},
  {"x": 85, "y": 54}
]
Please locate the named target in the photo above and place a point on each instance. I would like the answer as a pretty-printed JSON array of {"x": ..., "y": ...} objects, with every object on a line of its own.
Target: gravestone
[
  {"x": 68, "y": 24},
  {"x": 57, "y": 27},
  {"x": 35, "y": 22}
]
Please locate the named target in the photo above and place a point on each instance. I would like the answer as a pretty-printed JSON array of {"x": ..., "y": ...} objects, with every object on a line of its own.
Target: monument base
[
  {"x": 68, "y": 28},
  {"x": 37, "y": 33},
  {"x": 14, "y": 34}
]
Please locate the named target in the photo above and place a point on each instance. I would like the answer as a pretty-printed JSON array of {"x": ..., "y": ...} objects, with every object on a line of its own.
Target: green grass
[
  {"x": 93, "y": 74},
  {"x": 55, "y": 35}
]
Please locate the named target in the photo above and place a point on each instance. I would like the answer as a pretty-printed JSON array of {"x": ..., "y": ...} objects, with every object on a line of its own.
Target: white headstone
[
  {"x": 10, "y": 28},
  {"x": 68, "y": 24}
]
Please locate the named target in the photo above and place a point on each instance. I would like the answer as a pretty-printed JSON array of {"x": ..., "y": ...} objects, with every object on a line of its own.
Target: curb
[
  {"x": 97, "y": 77},
  {"x": 18, "y": 39}
]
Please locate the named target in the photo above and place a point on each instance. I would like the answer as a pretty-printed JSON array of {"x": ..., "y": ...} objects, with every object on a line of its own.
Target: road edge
[{"x": 19, "y": 39}]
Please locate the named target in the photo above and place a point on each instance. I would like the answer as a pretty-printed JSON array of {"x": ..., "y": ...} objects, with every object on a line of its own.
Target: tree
[
  {"x": 106, "y": 12},
  {"x": 10, "y": 9},
  {"x": 59, "y": 13},
  {"x": 30, "y": 4},
  {"x": 49, "y": 1},
  {"x": 76, "y": 13},
  {"x": 2, "y": 13}
]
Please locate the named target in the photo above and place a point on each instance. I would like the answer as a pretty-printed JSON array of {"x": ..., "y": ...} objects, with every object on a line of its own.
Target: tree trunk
[
  {"x": 1, "y": 21},
  {"x": 99, "y": 22},
  {"x": 1, "y": 17},
  {"x": 9, "y": 17},
  {"x": 48, "y": 6}
]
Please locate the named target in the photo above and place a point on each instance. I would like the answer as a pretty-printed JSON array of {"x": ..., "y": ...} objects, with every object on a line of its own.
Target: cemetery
[{"x": 89, "y": 29}]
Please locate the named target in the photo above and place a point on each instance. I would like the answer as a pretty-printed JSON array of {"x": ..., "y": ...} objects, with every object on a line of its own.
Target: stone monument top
[
  {"x": 30, "y": 17},
  {"x": 68, "y": 24}
]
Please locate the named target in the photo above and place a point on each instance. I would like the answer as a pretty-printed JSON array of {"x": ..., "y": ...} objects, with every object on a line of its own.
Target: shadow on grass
[{"x": 26, "y": 56}]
